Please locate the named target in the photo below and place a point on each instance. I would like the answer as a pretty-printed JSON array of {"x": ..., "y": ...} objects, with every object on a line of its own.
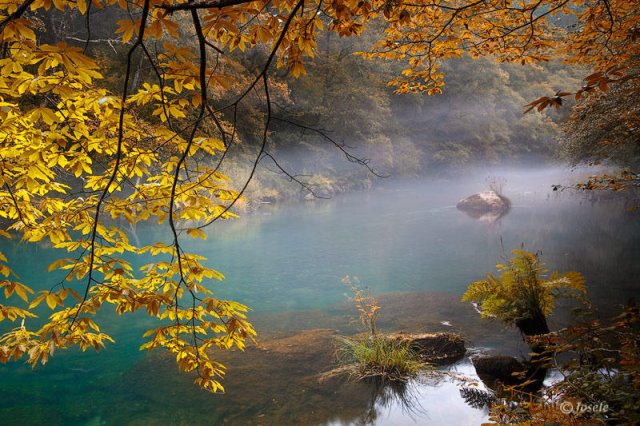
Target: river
[{"x": 405, "y": 241}]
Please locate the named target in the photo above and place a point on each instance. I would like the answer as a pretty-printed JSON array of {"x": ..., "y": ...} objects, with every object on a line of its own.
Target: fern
[{"x": 522, "y": 290}]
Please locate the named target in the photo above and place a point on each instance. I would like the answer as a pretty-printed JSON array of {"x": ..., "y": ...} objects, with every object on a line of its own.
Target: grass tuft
[{"x": 378, "y": 356}]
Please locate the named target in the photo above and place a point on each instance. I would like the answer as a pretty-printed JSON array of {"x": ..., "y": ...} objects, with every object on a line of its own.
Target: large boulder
[
  {"x": 435, "y": 348},
  {"x": 484, "y": 202}
]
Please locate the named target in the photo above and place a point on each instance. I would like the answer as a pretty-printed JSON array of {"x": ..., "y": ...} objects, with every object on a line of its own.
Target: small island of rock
[{"x": 488, "y": 204}]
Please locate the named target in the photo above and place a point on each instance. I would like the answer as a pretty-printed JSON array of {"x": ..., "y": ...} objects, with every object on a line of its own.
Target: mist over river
[{"x": 406, "y": 241}]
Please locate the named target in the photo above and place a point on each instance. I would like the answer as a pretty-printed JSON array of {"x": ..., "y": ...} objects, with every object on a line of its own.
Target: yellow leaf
[
  {"x": 127, "y": 28},
  {"x": 35, "y": 302},
  {"x": 82, "y": 6},
  {"x": 197, "y": 233},
  {"x": 53, "y": 300},
  {"x": 22, "y": 290}
]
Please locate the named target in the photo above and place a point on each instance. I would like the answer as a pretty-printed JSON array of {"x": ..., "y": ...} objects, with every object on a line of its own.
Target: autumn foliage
[{"x": 80, "y": 163}]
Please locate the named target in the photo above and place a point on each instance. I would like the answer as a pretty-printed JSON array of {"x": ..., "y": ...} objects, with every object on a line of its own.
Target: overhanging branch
[{"x": 204, "y": 5}]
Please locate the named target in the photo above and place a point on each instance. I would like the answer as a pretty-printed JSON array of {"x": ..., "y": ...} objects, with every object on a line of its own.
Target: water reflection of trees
[
  {"x": 386, "y": 393},
  {"x": 477, "y": 398}
]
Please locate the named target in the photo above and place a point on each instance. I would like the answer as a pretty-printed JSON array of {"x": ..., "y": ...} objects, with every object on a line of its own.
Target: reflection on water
[
  {"x": 477, "y": 398},
  {"x": 487, "y": 217},
  {"x": 407, "y": 242},
  {"x": 386, "y": 395},
  {"x": 428, "y": 400}
]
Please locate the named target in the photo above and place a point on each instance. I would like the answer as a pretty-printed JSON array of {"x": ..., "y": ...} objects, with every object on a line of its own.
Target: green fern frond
[
  {"x": 478, "y": 290},
  {"x": 522, "y": 288}
]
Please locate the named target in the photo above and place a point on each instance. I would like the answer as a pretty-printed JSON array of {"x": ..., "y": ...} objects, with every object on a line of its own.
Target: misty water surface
[{"x": 286, "y": 262}]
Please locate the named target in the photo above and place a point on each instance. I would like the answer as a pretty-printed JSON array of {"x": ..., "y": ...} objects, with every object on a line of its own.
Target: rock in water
[
  {"x": 484, "y": 202},
  {"x": 498, "y": 370},
  {"x": 435, "y": 348},
  {"x": 487, "y": 206}
]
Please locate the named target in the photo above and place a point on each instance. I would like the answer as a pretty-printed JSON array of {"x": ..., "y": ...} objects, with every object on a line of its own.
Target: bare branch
[
  {"x": 221, "y": 4},
  {"x": 293, "y": 178},
  {"x": 342, "y": 147},
  {"x": 109, "y": 41}
]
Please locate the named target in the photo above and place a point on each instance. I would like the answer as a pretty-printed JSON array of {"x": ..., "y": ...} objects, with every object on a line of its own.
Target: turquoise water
[{"x": 286, "y": 263}]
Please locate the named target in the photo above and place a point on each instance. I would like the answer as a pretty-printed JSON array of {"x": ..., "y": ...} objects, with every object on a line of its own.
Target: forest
[{"x": 273, "y": 196}]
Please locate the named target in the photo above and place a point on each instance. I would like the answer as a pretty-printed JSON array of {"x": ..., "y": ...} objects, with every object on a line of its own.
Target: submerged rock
[
  {"x": 435, "y": 348},
  {"x": 487, "y": 204}
]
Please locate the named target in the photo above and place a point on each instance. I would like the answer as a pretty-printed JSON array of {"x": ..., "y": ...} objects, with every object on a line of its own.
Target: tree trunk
[
  {"x": 536, "y": 369},
  {"x": 533, "y": 326}
]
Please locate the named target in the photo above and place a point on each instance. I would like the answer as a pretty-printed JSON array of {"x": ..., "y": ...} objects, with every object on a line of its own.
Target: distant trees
[
  {"x": 605, "y": 128},
  {"x": 83, "y": 154}
]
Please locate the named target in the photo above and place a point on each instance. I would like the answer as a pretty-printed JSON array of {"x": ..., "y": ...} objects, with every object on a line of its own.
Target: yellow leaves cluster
[
  {"x": 606, "y": 35},
  {"x": 72, "y": 133},
  {"x": 523, "y": 289},
  {"x": 217, "y": 323},
  {"x": 159, "y": 23},
  {"x": 424, "y": 33},
  {"x": 18, "y": 30},
  {"x": 20, "y": 290}
]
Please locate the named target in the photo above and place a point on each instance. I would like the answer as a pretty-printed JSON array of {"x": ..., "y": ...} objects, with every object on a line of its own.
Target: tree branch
[
  {"x": 16, "y": 14},
  {"x": 221, "y": 4}
]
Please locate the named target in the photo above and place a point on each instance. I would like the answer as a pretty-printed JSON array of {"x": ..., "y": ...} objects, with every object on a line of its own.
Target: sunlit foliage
[
  {"x": 523, "y": 290},
  {"x": 601, "y": 34},
  {"x": 78, "y": 164}
]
